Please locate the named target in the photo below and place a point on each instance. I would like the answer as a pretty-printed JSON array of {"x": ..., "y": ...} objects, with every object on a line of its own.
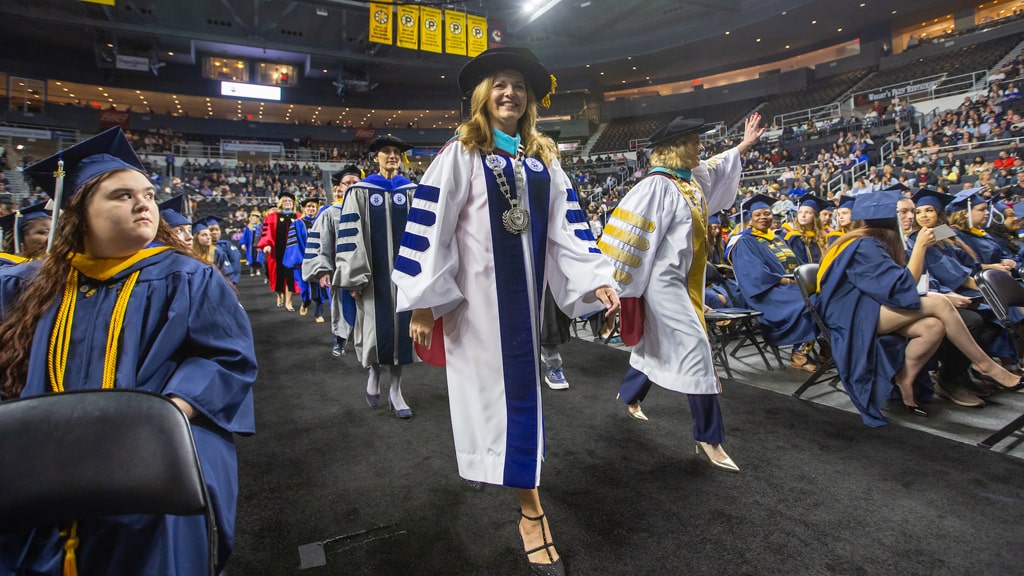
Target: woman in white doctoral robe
[
  {"x": 656, "y": 238},
  {"x": 493, "y": 220}
]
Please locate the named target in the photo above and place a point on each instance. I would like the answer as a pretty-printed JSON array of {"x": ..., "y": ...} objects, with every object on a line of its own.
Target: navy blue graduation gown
[
  {"x": 186, "y": 335},
  {"x": 859, "y": 281},
  {"x": 228, "y": 258},
  {"x": 949, "y": 266},
  {"x": 985, "y": 247},
  {"x": 805, "y": 252},
  {"x": 8, "y": 260},
  {"x": 786, "y": 321}
]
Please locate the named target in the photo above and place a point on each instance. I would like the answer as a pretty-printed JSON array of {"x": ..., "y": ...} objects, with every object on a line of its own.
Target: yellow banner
[
  {"x": 477, "y": 39},
  {"x": 104, "y": 2},
  {"x": 408, "y": 27},
  {"x": 430, "y": 29},
  {"x": 455, "y": 32},
  {"x": 380, "y": 23}
]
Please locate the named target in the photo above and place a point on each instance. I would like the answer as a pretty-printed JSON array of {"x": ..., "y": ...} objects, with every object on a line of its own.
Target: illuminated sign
[{"x": 237, "y": 90}]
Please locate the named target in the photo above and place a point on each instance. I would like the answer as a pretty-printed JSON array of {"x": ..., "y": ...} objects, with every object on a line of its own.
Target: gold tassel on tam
[
  {"x": 546, "y": 101},
  {"x": 70, "y": 567}
]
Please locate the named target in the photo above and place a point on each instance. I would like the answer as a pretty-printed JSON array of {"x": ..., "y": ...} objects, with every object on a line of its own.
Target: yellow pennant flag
[
  {"x": 430, "y": 29},
  {"x": 380, "y": 23},
  {"x": 455, "y": 32},
  {"x": 104, "y": 2},
  {"x": 408, "y": 26},
  {"x": 477, "y": 39}
]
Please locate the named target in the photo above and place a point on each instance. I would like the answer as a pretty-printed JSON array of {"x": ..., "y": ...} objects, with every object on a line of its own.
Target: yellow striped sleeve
[
  {"x": 623, "y": 277},
  {"x": 633, "y": 219},
  {"x": 633, "y": 240},
  {"x": 619, "y": 254}
]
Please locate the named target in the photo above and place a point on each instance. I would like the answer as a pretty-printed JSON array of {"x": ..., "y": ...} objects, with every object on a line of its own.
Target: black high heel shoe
[
  {"x": 992, "y": 381},
  {"x": 555, "y": 568},
  {"x": 915, "y": 410}
]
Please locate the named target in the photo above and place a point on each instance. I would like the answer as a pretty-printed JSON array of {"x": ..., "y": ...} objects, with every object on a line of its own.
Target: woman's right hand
[
  {"x": 421, "y": 326},
  {"x": 266, "y": 249},
  {"x": 925, "y": 239}
]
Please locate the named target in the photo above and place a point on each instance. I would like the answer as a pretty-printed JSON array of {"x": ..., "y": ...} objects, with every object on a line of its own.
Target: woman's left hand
[{"x": 609, "y": 298}]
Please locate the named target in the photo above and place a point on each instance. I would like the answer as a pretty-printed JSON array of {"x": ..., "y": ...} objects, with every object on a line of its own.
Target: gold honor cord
[
  {"x": 60, "y": 338},
  {"x": 60, "y": 342}
]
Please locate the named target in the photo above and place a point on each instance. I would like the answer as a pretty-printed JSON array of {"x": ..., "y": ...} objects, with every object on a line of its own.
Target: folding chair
[
  {"x": 742, "y": 328},
  {"x": 806, "y": 276},
  {"x": 1002, "y": 292},
  {"x": 132, "y": 452}
]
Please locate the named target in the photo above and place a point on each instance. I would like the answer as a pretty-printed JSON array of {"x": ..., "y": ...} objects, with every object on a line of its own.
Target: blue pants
[{"x": 708, "y": 425}]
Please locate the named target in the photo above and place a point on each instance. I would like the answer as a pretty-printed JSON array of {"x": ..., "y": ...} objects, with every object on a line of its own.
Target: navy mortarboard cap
[
  {"x": 812, "y": 201},
  {"x": 350, "y": 169},
  {"x": 176, "y": 203},
  {"x": 965, "y": 199},
  {"x": 757, "y": 202},
  {"x": 13, "y": 223},
  {"x": 876, "y": 205},
  {"x": 388, "y": 140},
  {"x": 715, "y": 219},
  {"x": 899, "y": 187},
  {"x": 173, "y": 218},
  {"x": 522, "y": 60},
  {"x": 678, "y": 128},
  {"x": 211, "y": 221},
  {"x": 1018, "y": 209},
  {"x": 104, "y": 152},
  {"x": 933, "y": 198},
  {"x": 199, "y": 227},
  {"x": 1000, "y": 206},
  {"x": 846, "y": 202}
]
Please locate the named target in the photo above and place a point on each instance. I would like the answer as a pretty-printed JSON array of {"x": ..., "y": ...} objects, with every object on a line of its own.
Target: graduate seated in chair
[
  {"x": 132, "y": 310},
  {"x": 868, "y": 289},
  {"x": 25, "y": 234},
  {"x": 841, "y": 218},
  {"x": 970, "y": 213},
  {"x": 951, "y": 264},
  {"x": 806, "y": 237},
  {"x": 764, "y": 265}
]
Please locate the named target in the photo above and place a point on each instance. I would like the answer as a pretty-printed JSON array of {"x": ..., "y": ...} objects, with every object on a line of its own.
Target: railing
[
  {"x": 801, "y": 117},
  {"x": 925, "y": 88},
  {"x": 187, "y": 151},
  {"x": 836, "y": 182}
]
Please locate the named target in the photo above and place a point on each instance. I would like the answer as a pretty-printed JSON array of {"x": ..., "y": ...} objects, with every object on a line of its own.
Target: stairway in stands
[{"x": 593, "y": 139}]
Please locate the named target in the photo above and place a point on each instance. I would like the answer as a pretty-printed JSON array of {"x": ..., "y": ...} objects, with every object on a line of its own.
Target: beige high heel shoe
[
  {"x": 634, "y": 410},
  {"x": 725, "y": 463}
]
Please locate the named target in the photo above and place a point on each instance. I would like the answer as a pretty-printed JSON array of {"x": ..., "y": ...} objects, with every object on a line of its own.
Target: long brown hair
[
  {"x": 477, "y": 133},
  {"x": 889, "y": 238},
  {"x": 21, "y": 320},
  {"x": 943, "y": 218}
]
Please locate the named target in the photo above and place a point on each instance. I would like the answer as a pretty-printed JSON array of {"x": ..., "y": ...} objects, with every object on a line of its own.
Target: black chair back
[
  {"x": 1000, "y": 291},
  {"x": 96, "y": 453},
  {"x": 712, "y": 275},
  {"x": 807, "y": 277}
]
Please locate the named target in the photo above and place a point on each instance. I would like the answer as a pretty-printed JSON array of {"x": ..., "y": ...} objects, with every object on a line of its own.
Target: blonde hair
[
  {"x": 477, "y": 133},
  {"x": 816, "y": 226},
  {"x": 282, "y": 199},
  {"x": 675, "y": 154}
]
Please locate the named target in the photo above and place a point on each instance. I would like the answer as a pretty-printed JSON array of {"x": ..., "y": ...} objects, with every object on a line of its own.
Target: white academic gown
[
  {"x": 656, "y": 238},
  {"x": 486, "y": 284}
]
